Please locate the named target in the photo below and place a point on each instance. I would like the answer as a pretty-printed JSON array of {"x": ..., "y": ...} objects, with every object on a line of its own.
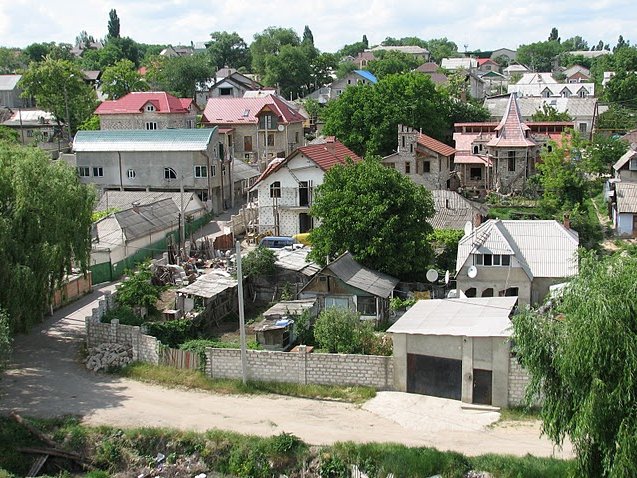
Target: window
[
  {"x": 151, "y": 125},
  {"x": 267, "y": 121},
  {"x": 201, "y": 171},
  {"x": 150, "y": 107},
  {"x": 169, "y": 173},
  {"x": 213, "y": 170},
  {"x": 407, "y": 167},
  {"x": 546, "y": 93},
  {"x": 366, "y": 305},
  {"x": 296, "y": 137},
  {"x": 411, "y": 147},
  {"x": 83, "y": 171},
  {"x": 247, "y": 143},
  {"x": 426, "y": 167},
  {"x": 511, "y": 161},
  {"x": 331, "y": 302},
  {"x": 403, "y": 140},
  {"x": 632, "y": 166},
  {"x": 492, "y": 260},
  {"x": 223, "y": 169},
  {"x": 98, "y": 171},
  {"x": 275, "y": 189},
  {"x": 338, "y": 92},
  {"x": 270, "y": 139},
  {"x": 582, "y": 127},
  {"x": 349, "y": 82},
  {"x": 582, "y": 93},
  {"x": 506, "y": 260},
  {"x": 131, "y": 174},
  {"x": 29, "y": 133},
  {"x": 475, "y": 150},
  {"x": 487, "y": 259},
  {"x": 247, "y": 157},
  {"x": 225, "y": 91},
  {"x": 475, "y": 174},
  {"x": 391, "y": 165},
  {"x": 565, "y": 93}
]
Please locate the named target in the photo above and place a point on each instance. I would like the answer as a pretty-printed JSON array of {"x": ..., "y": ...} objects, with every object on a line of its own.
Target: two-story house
[
  {"x": 263, "y": 127},
  {"x": 158, "y": 160},
  {"x": 286, "y": 188},
  {"x": 516, "y": 258},
  {"x": 336, "y": 88},
  {"x": 425, "y": 160},
  {"x": 148, "y": 110}
]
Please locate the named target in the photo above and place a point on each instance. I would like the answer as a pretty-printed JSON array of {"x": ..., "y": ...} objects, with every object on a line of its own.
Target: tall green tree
[
  {"x": 40, "y": 237},
  {"x": 550, "y": 113},
  {"x": 353, "y": 49},
  {"x": 181, "y": 75},
  {"x": 602, "y": 152},
  {"x": 554, "y": 35},
  {"x": 11, "y": 60},
  {"x": 122, "y": 78},
  {"x": 58, "y": 86},
  {"x": 622, "y": 89},
  {"x": 113, "y": 24},
  {"x": 377, "y": 214},
  {"x": 308, "y": 37},
  {"x": 440, "y": 48},
  {"x": 539, "y": 56},
  {"x": 290, "y": 70},
  {"x": 228, "y": 50},
  {"x": 582, "y": 359},
  {"x": 365, "y": 41},
  {"x": 268, "y": 43},
  {"x": 389, "y": 62}
]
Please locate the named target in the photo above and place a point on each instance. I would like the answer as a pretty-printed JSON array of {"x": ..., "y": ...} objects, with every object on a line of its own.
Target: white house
[{"x": 286, "y": 188}]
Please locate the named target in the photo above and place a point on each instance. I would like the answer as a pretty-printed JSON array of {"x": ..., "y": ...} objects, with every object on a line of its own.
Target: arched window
[
  {"x": 487, "y": 292},
  {"x": 470, "y": 292},
  {"x": 275, "y": 189},
  {"x": 475, "y": 149},
  {"x": 169, "y": 173}
]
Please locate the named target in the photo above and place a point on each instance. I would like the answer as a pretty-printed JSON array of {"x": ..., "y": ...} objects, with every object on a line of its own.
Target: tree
[
  {"x": 308, "y": 37},
  {"x": 368, "y": 209},
  {"x": 353, "y": 49},
  {"x": 582, "y": 359},
  {"x": 388, "y": 62},
  {"x": 445, "y": 244},
  {"x": 344, "y": 68},
  {"x": 228, "y": 50},
  {"x": 550, "y": 113},
  {"x": 554, "y": 35},
  {"x": 268, "y": 43},
  {"x": 39, "y": 237},
  {"x": 138, "y": 291},
  {"x": 259, "y": 263},
  {"x": 365, "y": 41},
  {"x": 58, "y": 86},
  {"x": 539, "y": 56},
  {"x": 5, "y": 339},
  {"x": 602, "y": 152},
  {"x": 622, "y": 89},
  {"x": 37, "y": 51},
  {"x": 290, "y": 70},
  {"x": 113, "y": 25},
  {"x": 9, "y": 135},
  {"x": 84, "y": 40},
  {"x": 91, "y": 124},
  {"x": 621, "y": 43},
  {"x": 11, "y": 60},
  {"x": 340, "y": 331},
  {"x": 116, "y": 49},
  {"x": 617, "y": 119},
  {"x": 122, "y": 78},
  {"x": 322, "y": 69},
  {"x": 181, "y": 75},
  {"x": 440, "y": 48},
  {"x": 576, "y": 43}
]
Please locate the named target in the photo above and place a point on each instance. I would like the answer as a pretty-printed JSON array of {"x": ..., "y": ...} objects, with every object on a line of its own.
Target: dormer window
[{"x": 150, "y": 108}]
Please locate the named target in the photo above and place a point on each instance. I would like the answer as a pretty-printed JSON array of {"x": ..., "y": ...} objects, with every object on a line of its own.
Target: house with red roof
[
  {"x": 147, "y": 110},
  {"x": 424, "y": 159},
  {"x": 260, "y": 127},
  {"x": 286, "y": 188}
]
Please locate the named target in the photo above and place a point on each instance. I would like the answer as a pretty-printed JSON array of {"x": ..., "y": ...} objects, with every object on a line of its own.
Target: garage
[{"x": 455, "y": 348}]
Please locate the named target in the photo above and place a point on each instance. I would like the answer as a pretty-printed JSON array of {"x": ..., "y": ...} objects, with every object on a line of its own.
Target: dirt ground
[{"x": 45, "y": 379}]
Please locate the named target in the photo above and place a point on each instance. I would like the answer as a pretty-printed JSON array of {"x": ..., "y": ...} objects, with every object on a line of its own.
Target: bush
[
  {"x": 340, "y": 330},
  {"x": 172, "y": 332},
  {"x": 138, "y": 291},
  {"x": 259, "y": 262},
  {"x": 124, "y": 314}
]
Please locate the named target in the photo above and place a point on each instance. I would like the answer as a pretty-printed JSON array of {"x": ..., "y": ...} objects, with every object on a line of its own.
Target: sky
[{"x": 483, "y": 25}]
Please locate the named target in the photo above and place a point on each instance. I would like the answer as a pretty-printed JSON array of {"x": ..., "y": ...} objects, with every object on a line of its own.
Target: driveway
[{"x": 45, "y": 379}]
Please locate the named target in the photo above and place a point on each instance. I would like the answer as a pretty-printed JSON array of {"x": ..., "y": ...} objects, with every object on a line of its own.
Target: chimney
[
  {"x": 477, "y": 219},
  {"x": 566, "y": 221},
  {"x": 329, "y": 144},
  {"x": 136, "y": 206}
]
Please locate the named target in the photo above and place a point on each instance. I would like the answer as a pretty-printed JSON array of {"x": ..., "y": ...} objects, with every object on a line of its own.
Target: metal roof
[
  {"x": 626, "y": 194},
  {"x": 453, "y": 210},
  {"x": 241, "y": 170},
  {"x": 141, "y": 221},
  {"x": 125, "y": 199},
  {"x": 9, "y": 82},
  {"x": 368, "y": 75},
  {"x": 457, "y": 63},
  {"x": 28, "y": 117},
  {"x": 296, "y": 260},
  {"x": 360, "y": 277},
  {"x": 543, "y": 248},
  {"x": 462, "y": 317},
  {"x": 575, "y": 106},
  {"x": 209, "y": 285},
  {"x": 625, "y": 158},
  {"x": 141, "y": 140},
  {"x": 290, "y": 307}
]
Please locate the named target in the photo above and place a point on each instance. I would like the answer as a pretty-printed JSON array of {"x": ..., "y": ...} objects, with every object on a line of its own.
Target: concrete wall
[
  {"x": 484, "y": 353},
  {"x": 139, "y": 120},
  {"x": 303, "y": 368}
]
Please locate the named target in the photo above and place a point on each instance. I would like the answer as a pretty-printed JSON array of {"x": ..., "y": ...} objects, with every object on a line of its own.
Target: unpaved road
[{"x": 45, "y": 379}]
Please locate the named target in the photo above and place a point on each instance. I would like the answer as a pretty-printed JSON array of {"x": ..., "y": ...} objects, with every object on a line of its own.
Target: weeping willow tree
[
  {"x": 582, "y": 356},
  {"x": 45, "y": 220}
]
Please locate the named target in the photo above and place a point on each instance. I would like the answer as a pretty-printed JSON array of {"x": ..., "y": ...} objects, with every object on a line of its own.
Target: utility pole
[{"x": 242, "y": 323}]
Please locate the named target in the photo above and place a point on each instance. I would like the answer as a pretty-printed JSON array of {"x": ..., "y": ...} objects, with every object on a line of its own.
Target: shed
[
  {"x": 278, "y": 329},
  {"x": 455, "y": 348},
  {"x": 348, "y": 284},
  {"x": 216, "y": 292}
]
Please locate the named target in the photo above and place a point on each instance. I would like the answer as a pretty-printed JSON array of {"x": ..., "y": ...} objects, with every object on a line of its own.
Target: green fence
[{"x": 107, "y": 271}]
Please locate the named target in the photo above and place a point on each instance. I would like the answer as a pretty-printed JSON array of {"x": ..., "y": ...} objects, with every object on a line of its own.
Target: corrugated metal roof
[
  {"x": 296, "y": 260},
  {"x": 457, "y": 63},
  {"x": 409, "y": 49},
  {"x": 228, "y": 111},
  {"x": 626, "y": 193},
  {"x": 543, "y": 248},
  {"x": 368, "y": 75},
  {"x": 625, "y": 159},
  {"x": 141, "y": 140},
  {"x": 360, "y": 277},
  {"x": 453, "y": 210},
  {"x": 9, "y": 82},
  {"x": 290, "y": 307},
  {"x": 134, "y": 102},
  {"x": 241, "y": 170},
  {"x": 467, "y": 317},
  {"x": 125, "y": 199},
  {"x": 575, "y": 106},
  {"x": 22, "y": 117},
  {"x": 141, "y": 221},
  {"x": 209, "y": 285}
]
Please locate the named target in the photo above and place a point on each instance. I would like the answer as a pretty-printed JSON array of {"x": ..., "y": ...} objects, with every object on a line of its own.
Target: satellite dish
[
  {"x": 280, "y": 127},
  {"x": 447, "y": 277},
  {"x": 452, "y": 294},
  {"x": 468, "y": 228},
  {"x": 432, "y": 275},
  {"x": 472, "y": 272}
]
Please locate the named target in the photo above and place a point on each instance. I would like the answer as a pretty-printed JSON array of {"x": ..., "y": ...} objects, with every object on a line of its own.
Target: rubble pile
[{"x": 108, "y": 356}]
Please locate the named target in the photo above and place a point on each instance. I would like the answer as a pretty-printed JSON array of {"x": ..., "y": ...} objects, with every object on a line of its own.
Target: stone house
[
  {"x": 264, "y": 127},
  {"x": 148, "y": 110},
  {"x": 425, "y": 160},
  {"x": 516, "y": 258},
  {"x": 286, "y": 188},
  {"x": 159, "y": 160},
  {"x": 346, "y": 283},
  {"x": 456, "y": 349}
]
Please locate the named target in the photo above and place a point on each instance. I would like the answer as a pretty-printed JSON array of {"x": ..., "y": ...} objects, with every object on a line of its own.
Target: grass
[
  {"x": 514, "y": 212},
  {"x": 197, "y": 380},
  {"x": 519, "y": 414}
]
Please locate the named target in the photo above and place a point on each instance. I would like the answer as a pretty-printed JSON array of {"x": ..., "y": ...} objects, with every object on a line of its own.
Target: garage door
[{"x": 439, "y": 377}]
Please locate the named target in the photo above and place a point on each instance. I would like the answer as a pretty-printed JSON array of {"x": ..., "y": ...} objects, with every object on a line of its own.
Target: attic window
[
  {"x": 246, "y": 113},
  {"x": 150, "y": 107},
  {"x": 169, "y": 173}
]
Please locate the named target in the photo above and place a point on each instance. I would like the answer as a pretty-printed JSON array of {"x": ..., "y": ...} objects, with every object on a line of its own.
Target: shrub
[
  {"x": 124, "y": 314},
  {"x": 138, "y": 291},
  {"x": 340, "y": 330},
  {"x": 172, "y": 332},
  {"x": 259, "y": 262}
]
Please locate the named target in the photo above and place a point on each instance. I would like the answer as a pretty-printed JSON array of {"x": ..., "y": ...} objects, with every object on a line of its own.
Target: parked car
[{"x": 277, "y": 242}]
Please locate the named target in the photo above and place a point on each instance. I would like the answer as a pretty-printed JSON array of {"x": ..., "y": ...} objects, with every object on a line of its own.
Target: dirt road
[{"x": 45, "y": 379}]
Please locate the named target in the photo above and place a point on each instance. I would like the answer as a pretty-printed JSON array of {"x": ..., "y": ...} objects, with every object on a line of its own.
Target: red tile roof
[
  {"x": 325, "y": 155},
  {"x": 243, "y": 110},
  {"x": 511, "y": 132},
  {"x": 435, "y": 145},
  {"x": 185, "y": 103},
  {"x": 135, "y": 102},
  {"x": 482, "y": 61}
]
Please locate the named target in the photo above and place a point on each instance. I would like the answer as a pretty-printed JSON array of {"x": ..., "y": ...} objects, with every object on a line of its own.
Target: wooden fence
[{"x": 182, "y": 359}]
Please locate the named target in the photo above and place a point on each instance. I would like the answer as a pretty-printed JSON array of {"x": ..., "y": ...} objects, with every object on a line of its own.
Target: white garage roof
[{"x": 468, "y": 317}]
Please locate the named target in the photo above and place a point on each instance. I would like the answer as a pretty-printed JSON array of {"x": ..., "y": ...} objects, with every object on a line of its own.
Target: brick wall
[
  {"x": 325, "y": 369},
  {"x": 145, "y": 347},
  {"x": 518, "y": 381}
]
